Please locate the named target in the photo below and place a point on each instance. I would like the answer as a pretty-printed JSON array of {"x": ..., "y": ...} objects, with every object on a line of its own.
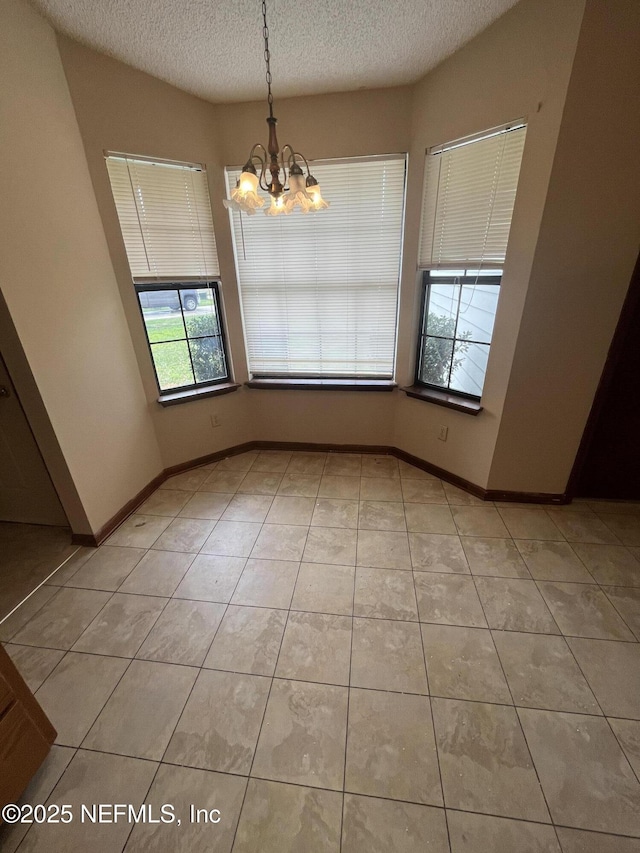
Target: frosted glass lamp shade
[
  {"x": 317, "y": 202},
  {"x": 297, "y": 195},
  {"x": 244, "y": 195},
  {"x": 277, "y": 207}
]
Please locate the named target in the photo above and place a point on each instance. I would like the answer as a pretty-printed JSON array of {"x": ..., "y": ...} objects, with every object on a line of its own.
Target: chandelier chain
[{"x": 267, "y": 56}]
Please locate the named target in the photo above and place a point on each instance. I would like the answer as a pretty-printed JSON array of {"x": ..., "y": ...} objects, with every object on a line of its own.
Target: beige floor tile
[
  {"x": 581, "y": 527},
  {"x": 209, "y": 505},
  {"x": 316, "y": 647},
  {"x": 183, "y": 633},
  {"x": 448, "y": 600},
  {"x": 625, "y": 527},
  {"x": 121, "y": 626},
  {"x": 90, "y": 779},
  {"x": 382, "y": 515},
  {"x": 34, "y": 664},
  {"x": 139, "y": 531},
  {"x": 459, "y": 497},
  {"x": 383, "y": 549},
  {"x": 323, "y": 588},
  {"x": 272, "y": 461},
  {"x": 429, "y": 518},
  {"x": 628, "y": 734},
  {"x": 27, "y": 610},
  {"x": 385, "y": 594},
  {"x": 626, "y": 601},
  {"x": 494, "y": 557},
  {"x": 333, "y": 512},
  {"x": 59, "y": 623},
  {"x": 542, "y": 673},
  {"x": 259, "y": 484},
  {"x": 586, "y": 780},
  {"x": 266, "y": 583},
  {"x": 331, "y": 545},
  {"x": 289, "y": 509},
  {"x": 380, "y": 466},
  {"x": 76, "y": 691},
  {"x": 604, "y": 507},
  {"x": 515, "y": 605},
  {"x": 239, "y": 462},
  {"x": 306, "y": 463},
  {"x": 478, "y": 521},
  {"x": 219, "y": 726},
  {"x": 307, "y": 720},
  {"x": 462, "y": 663},
  {"x": 248, "y": 640},
  {"x": 185, "y": 534},
  {"x": 391, "y": 751},
  {"x": 381, "y": 489},
  {"x": 553, "y": 561},
  {"x": 107, "y": 568},
  {"x": 530, "y": 524},
  {"x": 486, "y": 834},
  {"x": 583, "y": 610},
  {"x": 610, "y": 564},
  {"x": 435, "y": 552},
  {"x": 182, "y": 787},
  {"x": 280, "y": 542},
  {"x": 343, "y": 464},
  {"x": 387, "y": 655},
  {"x": 190, "y": 481},
  {"x": 579, "y": 841},
  {"x": 300, "y": 485},
  {"x": 223, "y": 481},
  {"x": 613, "y": 672},
  {"x": 165, "y": 502},
  {"x": 248, "y": 508},
  {"x": 211, "y": 578},
  {"x": 158, "y": 573},
  {"x": 232, "y": 539},
  {"x": 336, "y": 486},
  {"x": 308, "y": 819},
  {"x": 142, "y": 712},
  {"x": 423, "y": 491},
  {"x": 484, "y": 760},
  {"x": 376, "y": 826}
]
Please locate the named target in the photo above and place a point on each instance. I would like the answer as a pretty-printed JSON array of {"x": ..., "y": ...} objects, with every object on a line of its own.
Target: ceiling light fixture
[{"x": 302, "y": 192}]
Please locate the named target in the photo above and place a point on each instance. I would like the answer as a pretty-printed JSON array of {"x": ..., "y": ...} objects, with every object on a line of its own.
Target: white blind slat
[
  {"x": 468, "y": 199},
  {"x": 165, "y": 216},
  {"x": 319, "y": 291}
]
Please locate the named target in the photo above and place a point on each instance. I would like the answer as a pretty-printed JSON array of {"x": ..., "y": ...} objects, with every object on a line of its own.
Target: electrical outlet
[
  {"x": 215, "y": 421},
  {"x": 443, "y": 432}
]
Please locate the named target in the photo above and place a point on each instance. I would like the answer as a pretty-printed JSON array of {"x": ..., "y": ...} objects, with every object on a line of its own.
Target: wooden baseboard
[{"x": 93, "y": 540}]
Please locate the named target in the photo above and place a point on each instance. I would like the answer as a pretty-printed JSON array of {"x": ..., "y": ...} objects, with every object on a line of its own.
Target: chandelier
[{"x": 303, "y": 193}]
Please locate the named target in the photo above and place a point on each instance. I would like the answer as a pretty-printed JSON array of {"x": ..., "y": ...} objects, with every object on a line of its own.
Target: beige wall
[
  {"x": 58, "y": 282},
  {"x": 584, "y": 257}
]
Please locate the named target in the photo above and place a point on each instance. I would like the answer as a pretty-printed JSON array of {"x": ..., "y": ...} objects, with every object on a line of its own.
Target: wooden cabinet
[{"x": 26, "y": 734}]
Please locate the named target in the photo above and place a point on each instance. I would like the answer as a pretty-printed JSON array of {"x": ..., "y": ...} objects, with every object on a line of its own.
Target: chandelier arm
[
  {"x": 298, "y": 154},
  {"x": 286, "y": 161},
  {"x": 257, "y": 156}
]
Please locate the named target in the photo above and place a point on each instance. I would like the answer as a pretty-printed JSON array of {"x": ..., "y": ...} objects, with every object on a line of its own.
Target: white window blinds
[
  {"x": 319, "y": 292},
  {"x": 165, "y": 217},
  {"x": 468, "y": 198}
]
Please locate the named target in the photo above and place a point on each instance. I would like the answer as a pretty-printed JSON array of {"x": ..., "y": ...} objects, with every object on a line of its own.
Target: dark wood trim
[
  {"x": 193, "y": 394},
  {"x": 443, "y": 398},
  {"x": 321, "y": 384},
  {"x": 623, "y": 327},
  {"x": 93, "y": 540}
]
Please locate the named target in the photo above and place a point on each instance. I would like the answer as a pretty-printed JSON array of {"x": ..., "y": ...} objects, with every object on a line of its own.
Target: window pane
[
  {"x": 200, "y": 315},
  {"x": 477, "y": 312},
  {"x": 469, "y": 367},
  {"x": 162, "y": 316},
  {"x": 443, "y": 307},
  {"x": 436, "y": 360},
  {"x": 208, "y": 359},
  {"x": 173, "y": 364}
]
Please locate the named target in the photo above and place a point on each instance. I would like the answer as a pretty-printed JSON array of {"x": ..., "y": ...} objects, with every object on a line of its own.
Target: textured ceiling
[{"x": 213, "y": 48}]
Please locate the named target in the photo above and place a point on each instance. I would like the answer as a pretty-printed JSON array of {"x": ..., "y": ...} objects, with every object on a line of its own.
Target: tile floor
[{"x": 342, "y": 653}]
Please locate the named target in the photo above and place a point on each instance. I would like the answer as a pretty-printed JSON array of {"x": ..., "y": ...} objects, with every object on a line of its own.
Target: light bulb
[
  {"x": 317, "y": 202},
  {"x": 277, "y": 206}
]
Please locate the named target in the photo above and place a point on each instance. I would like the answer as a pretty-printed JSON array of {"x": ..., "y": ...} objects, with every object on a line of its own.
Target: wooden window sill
[
  {"x": 442, "y": 398},
  {"x": 322, "y": 384},
  {"x": 192, "y": 394}
]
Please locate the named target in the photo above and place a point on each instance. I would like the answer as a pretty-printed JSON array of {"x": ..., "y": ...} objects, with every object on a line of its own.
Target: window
[
  {"x": 469, "y": 194},
  {"x": 319, "y": 292},
  {"x": 165, "y": 218}
]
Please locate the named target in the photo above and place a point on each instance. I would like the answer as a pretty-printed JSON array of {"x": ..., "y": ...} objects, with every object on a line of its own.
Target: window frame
[
  {"x": 186, "y": 284},
  {"x": 429, "y": 277}
]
